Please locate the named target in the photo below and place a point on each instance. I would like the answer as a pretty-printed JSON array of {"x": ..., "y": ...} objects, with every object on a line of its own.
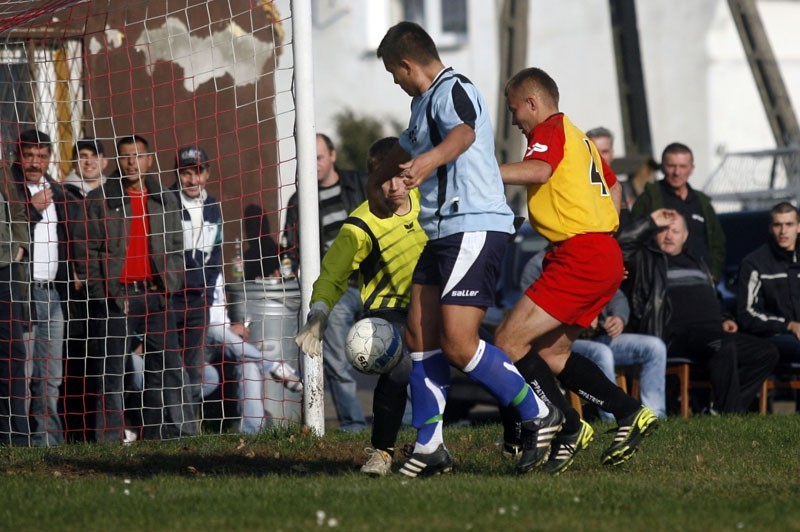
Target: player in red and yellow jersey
[{"x": 573, "y": 201}]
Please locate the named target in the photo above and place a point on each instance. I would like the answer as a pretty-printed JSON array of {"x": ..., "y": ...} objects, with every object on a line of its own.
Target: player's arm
[
  {"x": 344, "y": 256},
  {"x": 337, "y": 266},
  {"x": 457, "y": 141},
  {"x": 530, "y": 172}
]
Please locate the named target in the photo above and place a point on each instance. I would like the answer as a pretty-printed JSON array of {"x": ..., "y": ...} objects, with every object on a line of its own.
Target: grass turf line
[{"x": 728, "y": 473}]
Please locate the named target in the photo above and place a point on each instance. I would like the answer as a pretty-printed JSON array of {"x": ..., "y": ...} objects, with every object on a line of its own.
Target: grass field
[{"x": 732, "y": 473}]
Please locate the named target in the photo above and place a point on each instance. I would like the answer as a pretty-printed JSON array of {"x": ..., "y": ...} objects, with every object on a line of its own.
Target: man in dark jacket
[
  {"x": 48, "y": 275},
  {"x": 88, "y": 166},
  {"x": 768, "y": 304},
  {"x": 706, "y": 237},
  {"x": 14, "y": 240},
  {"x": 135, "y": 261},
  {"x": 340, "y": 191},
  {"x": 672, "y": 295}
]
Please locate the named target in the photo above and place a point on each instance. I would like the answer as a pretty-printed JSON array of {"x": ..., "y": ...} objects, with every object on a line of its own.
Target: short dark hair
[
  {"x": 407, "y": 40},
  {"x": 675, "y": 148},
  {"x": 33, "y": 137},
  {"x": 782, "y": 208},
  {"x": 534, "y": 78},
  {"x": 378, "y": 152},
  {"x": 599, "y": 133},
  {"x": 88, "y": 144},
  {"x": 131, "y": 139},
  {"x": 327, "y": 140}
]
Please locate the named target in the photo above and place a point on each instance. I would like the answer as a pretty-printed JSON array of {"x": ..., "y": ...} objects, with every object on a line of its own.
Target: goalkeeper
[{"x": 385, "y": 252}]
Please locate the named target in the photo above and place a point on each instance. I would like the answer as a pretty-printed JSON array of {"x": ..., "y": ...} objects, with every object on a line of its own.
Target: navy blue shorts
[{"x": 464, "y": 266}]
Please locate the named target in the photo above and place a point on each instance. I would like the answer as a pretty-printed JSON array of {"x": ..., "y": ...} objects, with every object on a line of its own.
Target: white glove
[{"x": 309, "y": 339}]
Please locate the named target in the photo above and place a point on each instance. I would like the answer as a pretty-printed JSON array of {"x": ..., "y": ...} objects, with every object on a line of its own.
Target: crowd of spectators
[{"x": 107, "y": 283}]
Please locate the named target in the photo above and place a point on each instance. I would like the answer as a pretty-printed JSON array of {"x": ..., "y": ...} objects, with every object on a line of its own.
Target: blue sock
[
  {"x": 493, "y": 369},
  {"x": 430, "y": 378}
]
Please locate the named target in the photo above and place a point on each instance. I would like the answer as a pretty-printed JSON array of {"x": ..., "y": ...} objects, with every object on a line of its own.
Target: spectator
[
  {"x": 769, "y": 286},
  {"x": 672, "y": 296},
  {"x": 202, "y": 260},
  {"x": 227, "y": 341},
  {"x": 340, "y": 191},
  {"x": 88, "y": 164},
  {"x": 261, "y": 256},
  {"x": 610, "y": 347},
  {"x": 48, "y": 277},
  {"x": 706, "y": 238},
  {"x": 135, "y": 262},
  {"x": 604, "y": 141},
  {"x": 14, "y": 240}
]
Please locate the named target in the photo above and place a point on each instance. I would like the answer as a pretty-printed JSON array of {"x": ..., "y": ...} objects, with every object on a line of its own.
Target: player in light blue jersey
[{"x": 468, "y": 222}]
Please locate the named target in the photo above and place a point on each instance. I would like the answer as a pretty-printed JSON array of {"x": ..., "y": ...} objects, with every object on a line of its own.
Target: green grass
[{"x": 733, "y": 473}]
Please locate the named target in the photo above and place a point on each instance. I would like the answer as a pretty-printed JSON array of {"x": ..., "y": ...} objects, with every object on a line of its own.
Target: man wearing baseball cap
[{"x": 202, "y": 250}]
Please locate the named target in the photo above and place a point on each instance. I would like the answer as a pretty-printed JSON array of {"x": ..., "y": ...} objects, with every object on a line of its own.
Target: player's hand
[
  {"x": 240, "y": 330},
  {"x": 613, "y": 326},
  {"x": 729, "y": 326},
  {"x": 663, "y": 217},
  {"x": 309, "y": 339},
  {"x": 417, "y": 170},
  {"x": 794, "y": 328}
]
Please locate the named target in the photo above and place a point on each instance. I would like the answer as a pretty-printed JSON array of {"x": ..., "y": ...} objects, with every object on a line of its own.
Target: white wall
[{"x": 698, "y": 84}]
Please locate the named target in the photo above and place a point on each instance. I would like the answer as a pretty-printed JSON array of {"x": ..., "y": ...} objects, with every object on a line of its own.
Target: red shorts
[{"x": 580, "y": 277}]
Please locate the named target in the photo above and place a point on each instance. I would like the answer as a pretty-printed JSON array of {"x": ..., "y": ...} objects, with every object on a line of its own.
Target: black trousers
[
  {"x": 391, "y": 391},
  {"x": 737, "y": 363},
  {"x": 14, "y": 429},
  {"x": 147, "y": 317},
  {"x": 190, "y": 310}
]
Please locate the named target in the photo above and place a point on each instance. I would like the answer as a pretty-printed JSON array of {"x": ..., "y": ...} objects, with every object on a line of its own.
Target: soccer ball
[{"x": 374, "y": 346}]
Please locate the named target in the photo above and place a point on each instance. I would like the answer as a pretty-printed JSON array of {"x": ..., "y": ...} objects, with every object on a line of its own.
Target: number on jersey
[{"x": 594, "y": 174}]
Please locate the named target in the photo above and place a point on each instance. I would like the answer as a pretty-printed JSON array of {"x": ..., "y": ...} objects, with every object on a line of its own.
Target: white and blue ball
[{"x": 374, "y": 346}]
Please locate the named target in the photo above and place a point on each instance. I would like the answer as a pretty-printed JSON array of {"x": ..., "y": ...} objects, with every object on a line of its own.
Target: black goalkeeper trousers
[{"x": 391, "y": 391}]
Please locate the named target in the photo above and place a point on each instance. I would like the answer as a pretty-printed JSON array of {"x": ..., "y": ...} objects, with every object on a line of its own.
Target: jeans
[
  {"x": 649, "y": 352},
  {"x": 253, "y": 368},
  {"x": 46, "y": 367},
  {"x": 341, "y": 384},
  {"x": 788, "y": 347}
]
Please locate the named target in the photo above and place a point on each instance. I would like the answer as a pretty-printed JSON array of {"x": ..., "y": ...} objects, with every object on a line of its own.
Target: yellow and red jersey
[{"x": 576, "y": 199}]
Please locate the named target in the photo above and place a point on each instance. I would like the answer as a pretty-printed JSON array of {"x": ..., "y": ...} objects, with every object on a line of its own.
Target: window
[{"x": 444, "y": 20}]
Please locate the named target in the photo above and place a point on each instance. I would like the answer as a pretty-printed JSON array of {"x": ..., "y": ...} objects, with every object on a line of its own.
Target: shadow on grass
[{"x": 195, "y": 465}]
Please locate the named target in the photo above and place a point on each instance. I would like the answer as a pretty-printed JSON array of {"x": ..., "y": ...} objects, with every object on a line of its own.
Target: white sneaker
[
  {"x": 129, "y": 437},
  {"x": 283, "y": 372},
  {"x": 379, "y": 463}
]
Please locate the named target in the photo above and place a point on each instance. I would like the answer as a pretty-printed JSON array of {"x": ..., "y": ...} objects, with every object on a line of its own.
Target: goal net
[
  {"x": 148, "y": 152},
  {"x": 755, "y": 180}
]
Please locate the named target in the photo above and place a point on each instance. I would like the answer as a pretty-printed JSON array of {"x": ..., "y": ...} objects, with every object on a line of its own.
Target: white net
[{"x": 148, "y": 151}]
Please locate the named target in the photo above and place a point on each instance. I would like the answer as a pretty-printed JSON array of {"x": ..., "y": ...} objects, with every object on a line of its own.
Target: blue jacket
[{"x": 202, "y": 265}]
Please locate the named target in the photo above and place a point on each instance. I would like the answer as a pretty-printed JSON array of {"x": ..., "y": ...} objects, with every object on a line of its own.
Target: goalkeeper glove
[{"x": 309, "y": 339}]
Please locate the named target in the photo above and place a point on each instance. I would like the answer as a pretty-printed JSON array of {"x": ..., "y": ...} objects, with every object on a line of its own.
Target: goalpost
[{"x": 231, "y": 77}]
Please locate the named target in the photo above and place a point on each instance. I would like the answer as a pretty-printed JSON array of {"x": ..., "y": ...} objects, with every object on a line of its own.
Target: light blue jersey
[{"x": 466, "y": 194}]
